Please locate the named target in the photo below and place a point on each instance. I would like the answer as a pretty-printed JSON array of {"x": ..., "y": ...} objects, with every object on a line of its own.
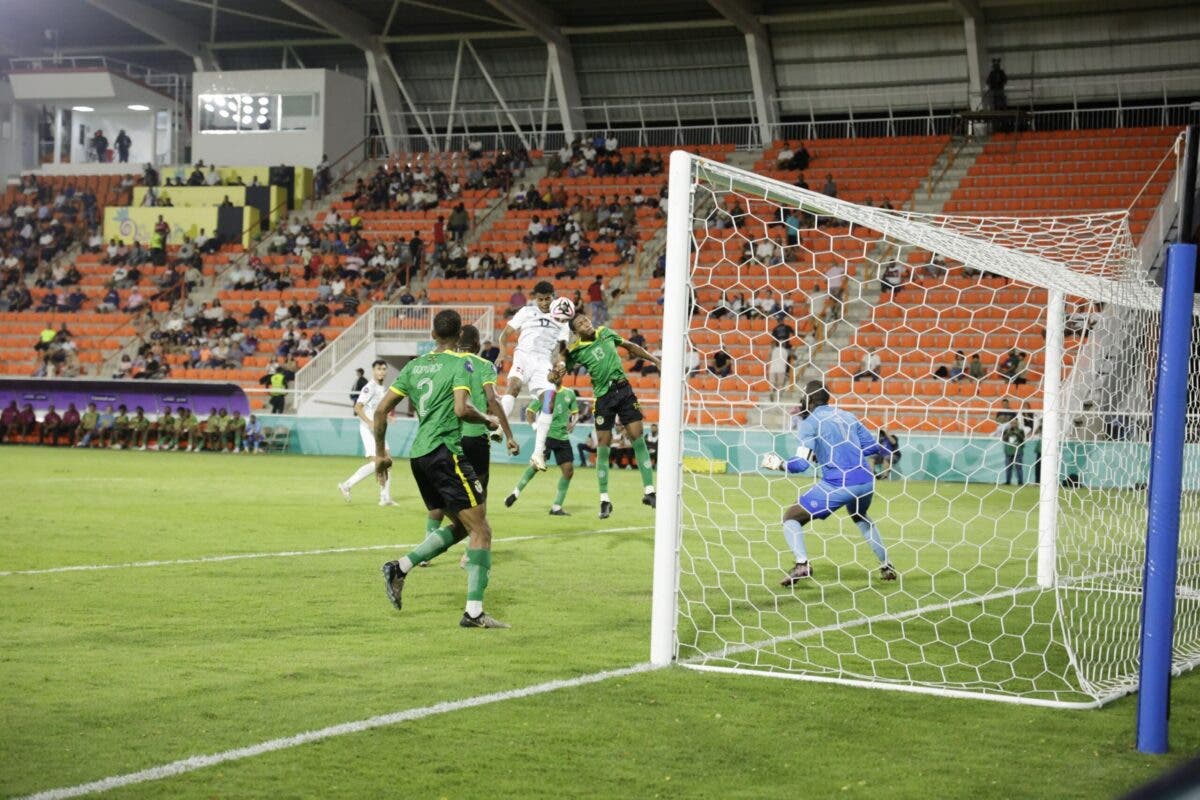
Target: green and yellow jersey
[
  {"x": 431, "y": 380},
  {"x": 600, "y": 358},
  {"x": 481, "y": 373}
]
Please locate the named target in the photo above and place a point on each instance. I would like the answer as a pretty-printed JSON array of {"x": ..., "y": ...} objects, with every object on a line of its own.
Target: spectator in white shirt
[
  {"x": 611, "y": 145},
  {"x": 784, "y": 157},
  {"x": 213, "y": 178},
  {"x": 337, "y": 288}
]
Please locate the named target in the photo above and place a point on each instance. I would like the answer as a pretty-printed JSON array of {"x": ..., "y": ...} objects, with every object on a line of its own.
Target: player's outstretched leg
[
  {"x": 437, "y": 541},
  {"x": 870, "y": 532},
  {"x": 524, "y": 480},
  {"x": 642, "y": 454},
  {"x": 794, "y": 520},
  {"x": 564, "y": 483},
  {"x": 479, "y": 567},
  {"x": 541, "y": 428},
  {"x": 362, "y": 473},
  {"x": 602, "y": 455}
]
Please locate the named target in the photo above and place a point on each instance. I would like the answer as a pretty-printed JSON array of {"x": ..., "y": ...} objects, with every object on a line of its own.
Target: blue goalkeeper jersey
[{"x": 841, "y": 445}]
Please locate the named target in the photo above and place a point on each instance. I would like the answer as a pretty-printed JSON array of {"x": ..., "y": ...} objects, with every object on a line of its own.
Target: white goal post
[{"x": 1005, "y": 593}]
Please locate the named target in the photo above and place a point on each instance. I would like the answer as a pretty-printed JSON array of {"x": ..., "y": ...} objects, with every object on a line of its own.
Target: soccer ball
[{"x": 562, "y": 309}]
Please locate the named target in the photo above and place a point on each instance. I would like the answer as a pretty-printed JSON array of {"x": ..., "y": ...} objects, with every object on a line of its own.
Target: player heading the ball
[{"x": 540, "y": 338}]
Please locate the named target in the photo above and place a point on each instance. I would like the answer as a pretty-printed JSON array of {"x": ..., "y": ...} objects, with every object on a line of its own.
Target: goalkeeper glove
[{"x": 772, "y": 461}]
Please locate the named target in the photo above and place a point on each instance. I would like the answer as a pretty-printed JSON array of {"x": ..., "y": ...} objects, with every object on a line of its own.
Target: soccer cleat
[
  {"x": 798, "y": 573},
  {"x": 605, "y": 509},
  {"x": 393, "y": 579},
  {"x": 558, "y": 512},
  {"x": 888, "y": 572},
  {"x": 538, "y": 462},
  {"x": 650, "y": 499},
  {"x": 387, "y": 501},
  {"x": 508, "y": 501},
  {"x": 482, "y": 621},
  {"x": 345, "y": 492}
]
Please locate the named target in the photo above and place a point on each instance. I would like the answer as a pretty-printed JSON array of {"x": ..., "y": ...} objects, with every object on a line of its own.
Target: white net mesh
[{"x": 934, "y": 329}]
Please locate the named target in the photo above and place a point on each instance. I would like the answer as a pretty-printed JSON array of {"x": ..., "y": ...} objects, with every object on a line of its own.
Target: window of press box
[{"x": 246, "y": 113}]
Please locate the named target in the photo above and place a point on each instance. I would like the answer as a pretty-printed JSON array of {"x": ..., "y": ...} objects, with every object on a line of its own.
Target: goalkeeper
[
  {"x": 840, "y": 445},
  {"x": 566, "y": 413}
]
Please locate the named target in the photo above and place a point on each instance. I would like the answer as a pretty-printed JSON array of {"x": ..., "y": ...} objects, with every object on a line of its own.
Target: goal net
[{"x": 1012, "y": 360}]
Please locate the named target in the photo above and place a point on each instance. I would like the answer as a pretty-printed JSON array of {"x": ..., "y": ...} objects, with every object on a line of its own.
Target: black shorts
[
  {"x": 478, "y": 452},
  {"x": 446, "y": 481},
  {"x": 561, "y": 448},
  {"x": 620, "y": 402}
]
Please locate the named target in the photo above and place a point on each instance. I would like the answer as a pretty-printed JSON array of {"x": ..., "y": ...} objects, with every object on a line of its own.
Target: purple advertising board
[{"x": 153, "y": 396}]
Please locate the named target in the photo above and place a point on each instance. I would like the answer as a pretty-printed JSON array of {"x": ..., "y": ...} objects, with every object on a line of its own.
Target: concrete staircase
[{"x": 948, "y": 171}]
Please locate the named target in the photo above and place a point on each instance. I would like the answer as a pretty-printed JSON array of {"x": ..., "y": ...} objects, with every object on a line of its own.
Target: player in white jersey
[
  {"x": 540, "y": 340},
  {"x": 368, "y": 400}
]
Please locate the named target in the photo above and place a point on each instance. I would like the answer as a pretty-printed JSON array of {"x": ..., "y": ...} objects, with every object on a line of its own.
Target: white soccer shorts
[
  {"x": 368, "y": 438},
  {"x": 532, "y": 373}
]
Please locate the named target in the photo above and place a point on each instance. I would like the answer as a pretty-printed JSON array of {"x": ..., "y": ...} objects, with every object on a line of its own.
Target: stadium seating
[{"x": 1069, "y": 173}]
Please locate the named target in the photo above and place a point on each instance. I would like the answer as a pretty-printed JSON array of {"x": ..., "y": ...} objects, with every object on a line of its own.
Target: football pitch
[{"x": 160, "y": 607}]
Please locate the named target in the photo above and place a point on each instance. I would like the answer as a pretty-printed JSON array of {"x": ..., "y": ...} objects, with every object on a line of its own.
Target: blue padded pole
[{"x": 1166, "y": 485}]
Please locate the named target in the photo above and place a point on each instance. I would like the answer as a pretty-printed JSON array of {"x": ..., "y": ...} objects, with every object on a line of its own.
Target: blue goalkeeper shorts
[{"x": 825, "y": 498}]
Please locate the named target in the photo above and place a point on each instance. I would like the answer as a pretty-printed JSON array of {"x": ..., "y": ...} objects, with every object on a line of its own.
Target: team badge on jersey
[{"x": 599, "y": 420}]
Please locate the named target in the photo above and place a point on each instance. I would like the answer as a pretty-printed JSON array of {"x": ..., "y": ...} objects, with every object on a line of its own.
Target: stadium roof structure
[{"x": 170, "y": 34}]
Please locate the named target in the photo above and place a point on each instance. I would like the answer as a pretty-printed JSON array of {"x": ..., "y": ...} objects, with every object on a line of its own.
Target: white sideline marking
[
  {"x": 294, "y": 553},
  {"x": 193, "y": 763}
]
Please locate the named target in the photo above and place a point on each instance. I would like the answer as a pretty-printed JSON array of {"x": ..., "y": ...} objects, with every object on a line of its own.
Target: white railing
[{"x": 381, "y": 323}]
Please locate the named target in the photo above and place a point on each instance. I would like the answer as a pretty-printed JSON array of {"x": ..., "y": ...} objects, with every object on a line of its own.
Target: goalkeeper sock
[
  {"x": 563, "y": 485},
  {"x": 479, "y": 568},
  {"x": 870, "y": 532},
  {"x": 436, "y": 543},
  {"x": 793, "y": 531},
  {"x": 360, "y": 474},
  {"x": 642, "y": 452},
  {"x": 507, "y": 401},
  {"x": 526, "y": 477},
  {"x": 602, "y": 468}
]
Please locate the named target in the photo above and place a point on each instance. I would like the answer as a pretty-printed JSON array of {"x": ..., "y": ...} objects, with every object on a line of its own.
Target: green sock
[
  {"x": 643, "y": 460},
  {"x": 437, "y": 542},
  {"x": 602, "y": 468},
  {"x": 432, "y": 525},
  {"x": 526, "y": 477},
  {"x": 479, "y": 567},
  {"x": 563, "y": 485}
]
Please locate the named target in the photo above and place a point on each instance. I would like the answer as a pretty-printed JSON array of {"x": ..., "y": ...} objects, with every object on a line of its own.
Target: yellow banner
[{"x": 128, "y": 224}]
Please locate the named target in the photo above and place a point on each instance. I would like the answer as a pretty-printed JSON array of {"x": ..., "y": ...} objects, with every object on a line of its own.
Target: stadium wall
[{"x": 971, "y": 459}]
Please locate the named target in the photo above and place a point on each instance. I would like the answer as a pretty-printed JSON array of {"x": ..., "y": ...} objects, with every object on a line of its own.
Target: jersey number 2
[{"x": 424, "y": 390}]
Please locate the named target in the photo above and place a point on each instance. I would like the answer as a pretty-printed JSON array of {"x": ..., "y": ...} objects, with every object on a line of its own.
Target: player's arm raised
[
  {"x": 637, "y": 351},
  {"x": 379, "y": 427}
]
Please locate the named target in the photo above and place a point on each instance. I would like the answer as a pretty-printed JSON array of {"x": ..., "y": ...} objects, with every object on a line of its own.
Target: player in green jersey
[
  {"x": 566, "y": 412},
  {"x": 476, "y": 446},
  {"x": 439, "y": 384},
  {"x": 596, "y": 351}
]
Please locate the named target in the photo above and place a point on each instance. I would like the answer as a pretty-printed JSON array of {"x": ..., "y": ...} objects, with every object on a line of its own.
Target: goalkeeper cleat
[
  {"x": 605, "y": 509},
  {"x": 482, "y": 621},
  {"x": 558, "y": 512},
  {"x": 888, "y": 572},
  {"x": 799, "y": 572},
  {"x": 393, "y": 579},
  {"x": 538, "y": 462},
  {"x": 345, "y": 490},
  {"x": 508, "y": 501},
  {"x": 650, "y": 499}
]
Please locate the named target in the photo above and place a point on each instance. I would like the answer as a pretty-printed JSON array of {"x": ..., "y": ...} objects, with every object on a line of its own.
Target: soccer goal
[{"x": 1027, "y": 591}]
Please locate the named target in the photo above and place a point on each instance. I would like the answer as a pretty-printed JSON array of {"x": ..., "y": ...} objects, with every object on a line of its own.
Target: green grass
[{"x": 112, "y": 671}]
